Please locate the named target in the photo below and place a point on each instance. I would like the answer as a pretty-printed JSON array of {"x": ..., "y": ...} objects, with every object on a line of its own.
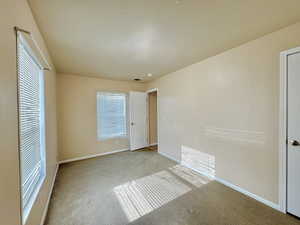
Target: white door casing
[{"x": 138, "y": 120}]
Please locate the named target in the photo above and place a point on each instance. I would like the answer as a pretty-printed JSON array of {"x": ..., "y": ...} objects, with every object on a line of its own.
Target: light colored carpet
[{"x": 145, "y": 188}]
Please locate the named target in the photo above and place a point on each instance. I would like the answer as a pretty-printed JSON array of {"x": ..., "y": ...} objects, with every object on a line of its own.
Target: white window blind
[
  {"x": 111, "y": 115},
  {"x": 31, "y": 124}
]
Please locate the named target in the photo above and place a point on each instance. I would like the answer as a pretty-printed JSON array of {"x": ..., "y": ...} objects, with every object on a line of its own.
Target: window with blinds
[
  {"x": 31, "y": 125},
  {"x": 111, "y": 115}
]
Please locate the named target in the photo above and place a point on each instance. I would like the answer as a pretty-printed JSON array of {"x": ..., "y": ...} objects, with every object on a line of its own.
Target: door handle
[
  {"x": 294, "y": 142},
  {"x": 131, "y": 123}
]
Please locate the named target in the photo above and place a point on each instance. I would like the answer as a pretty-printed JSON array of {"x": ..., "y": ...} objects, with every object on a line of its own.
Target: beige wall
[
  {"x": 77, "y": 124},
  {"x": 227, "y": 106},
  {"x": 17, "y": 13},
  {"x": 9, "y": 192},
  {"x": 152, "y": 117}
]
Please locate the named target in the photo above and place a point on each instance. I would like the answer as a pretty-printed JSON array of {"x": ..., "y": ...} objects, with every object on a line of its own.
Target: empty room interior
[{"x": 136, "y": 112}]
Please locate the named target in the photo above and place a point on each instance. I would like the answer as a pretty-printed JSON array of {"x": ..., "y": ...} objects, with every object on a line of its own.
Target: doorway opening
[{"x": 152, "y": 120}]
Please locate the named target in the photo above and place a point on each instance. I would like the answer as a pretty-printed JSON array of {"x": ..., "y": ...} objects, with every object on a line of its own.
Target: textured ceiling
[{"x": 124, "y": 39}]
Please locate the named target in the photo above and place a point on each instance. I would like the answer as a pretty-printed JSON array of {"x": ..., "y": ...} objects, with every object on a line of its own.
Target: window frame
[
  {"x": 26, "y": 209},
  {"x": 98, "y": 130}
]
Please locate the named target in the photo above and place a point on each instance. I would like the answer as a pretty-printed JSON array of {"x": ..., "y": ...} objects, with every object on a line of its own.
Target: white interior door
[
  {"x": 293, "y": 149},
  {"x": 138, "y": 120}
]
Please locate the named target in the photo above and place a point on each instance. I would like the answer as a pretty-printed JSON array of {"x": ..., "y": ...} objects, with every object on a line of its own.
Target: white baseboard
[
  {"x": 169, "y": 157},
  {"x": 91, "y": 156},
  {"x": 153, "y": 144},
  {"x": 228, "y": 184},
  {"x": 49, "y": 196},
  {"x": 198, "y": 171},
  {"x": 245, "y": 192}
]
